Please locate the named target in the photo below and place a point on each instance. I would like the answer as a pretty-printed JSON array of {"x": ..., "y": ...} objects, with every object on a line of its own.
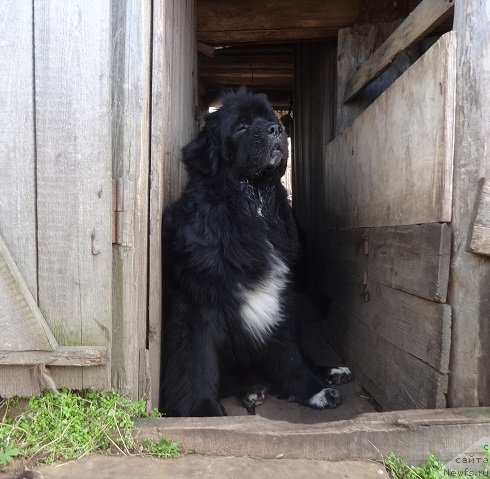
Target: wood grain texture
[
  {"x": 480, "y": 234},
  {"x": 470, "y": 273},
  {"x": 395, "y": 379},
  {"x": 18, "y": 381},
  {"x": 221, "y": 22},
  {"x": 413, "y": 435},
  {"x": 393, "y": 165},
  {"x": 73, "y": 125},
  {"x": 22, "y": 324},
  {"x": 82, "y": 356},
  {"x": 414, "y": 325},
  {"x": 17, "y": 150},
  {"x": 414, "y": 259},
  {"x": 355, "y": 45},
  {"x": 131, "y": 58},
  {"x": 424, "y": 18},
  {"x": 173, "y": 124},
  {"x": 397, "y": 343}
]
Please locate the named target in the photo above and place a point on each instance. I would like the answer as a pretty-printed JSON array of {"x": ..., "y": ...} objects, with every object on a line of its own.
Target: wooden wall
[
  {"x": 378, "y": 204},
  {"x": 313, "y": 130},
  {"x": 131, "y": 96},
  {"x": 469, "y": 290},
  {"x": 98, "y": 97},
  {"x": 173, "y": 123},
  {"x": 55, "y": 169}
]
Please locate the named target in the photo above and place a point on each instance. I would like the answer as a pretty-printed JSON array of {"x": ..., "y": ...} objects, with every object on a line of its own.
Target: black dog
[{"x": 230, "y": 243}]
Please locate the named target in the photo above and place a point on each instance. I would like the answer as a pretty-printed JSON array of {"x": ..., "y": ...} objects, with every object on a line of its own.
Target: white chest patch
[{"x": 261, "y": 307}]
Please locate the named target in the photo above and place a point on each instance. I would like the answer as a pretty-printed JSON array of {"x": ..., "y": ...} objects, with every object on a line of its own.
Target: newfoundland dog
[{"x": 230, "y": 245}]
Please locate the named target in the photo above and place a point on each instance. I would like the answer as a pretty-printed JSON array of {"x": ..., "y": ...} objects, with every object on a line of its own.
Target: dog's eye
[{"x": 241, "y": 127}]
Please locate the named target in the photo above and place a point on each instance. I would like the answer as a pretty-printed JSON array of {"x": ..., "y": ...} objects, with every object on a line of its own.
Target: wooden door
[{"x": 55, "y": 195}]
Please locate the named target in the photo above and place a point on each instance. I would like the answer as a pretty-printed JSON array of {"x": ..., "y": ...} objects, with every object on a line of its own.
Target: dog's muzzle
[{"x": 276, "y": 158}]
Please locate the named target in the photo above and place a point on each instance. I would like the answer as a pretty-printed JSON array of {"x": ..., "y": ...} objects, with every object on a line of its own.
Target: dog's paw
[
  {"x": 253, "y": 398},
  {"x": 338, "y": 375},
  {"x": 327, "y": 398}
]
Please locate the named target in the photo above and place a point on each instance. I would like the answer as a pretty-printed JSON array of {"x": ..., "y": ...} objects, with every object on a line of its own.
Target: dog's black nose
[{"x": 274, "y": 129}]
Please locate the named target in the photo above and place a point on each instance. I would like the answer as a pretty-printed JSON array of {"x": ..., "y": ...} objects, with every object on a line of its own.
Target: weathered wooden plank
[
  {"x": 424, "y": 18},
  {"x": 22, "y": 324},
  {"x": 414, "y": 259},
  {"x": 221, "y": 22},
  {"x": 413, "y": 325},
  {"x": 395, "y": 378},
  {"x": 480, "y": 233},
  {"x": 73, "y": 130},
  {"x": 346, "y": 251},
  {"x": 393, "y": 165},
  {"x": 17, "y": 151},
  {"x": 131, "y": 46},
  {"x": 18, "y": 381},
  {"x": 470, "y": 273},
  {"x": 355, "y": 46},
  {"x": 82, "y": 356},
  {"x": 174, "y": 102},
  {"x": 413, "y": 435}
]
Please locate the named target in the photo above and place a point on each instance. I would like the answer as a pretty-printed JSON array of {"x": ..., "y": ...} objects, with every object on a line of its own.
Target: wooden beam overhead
[
  {"x": 225, "y": 22},
  {"x": 422, "y": 20}
]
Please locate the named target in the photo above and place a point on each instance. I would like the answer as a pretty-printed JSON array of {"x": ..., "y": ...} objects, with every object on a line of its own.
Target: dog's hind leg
[{"x": 293, "y": 379}]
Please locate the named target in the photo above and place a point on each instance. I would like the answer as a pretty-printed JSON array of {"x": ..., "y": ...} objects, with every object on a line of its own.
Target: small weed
[
  {"x": 65, "y": 425},
  {"x": 163, "y": 448},
  {"x": 433, "y": 468},
  {"x": 7, "y": 454}
]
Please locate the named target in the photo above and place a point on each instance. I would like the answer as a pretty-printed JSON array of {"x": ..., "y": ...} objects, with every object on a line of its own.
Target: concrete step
[{"x": 203, "y": 467}]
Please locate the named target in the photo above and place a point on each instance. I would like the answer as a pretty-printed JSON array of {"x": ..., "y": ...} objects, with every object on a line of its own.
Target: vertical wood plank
[
  {"x": 131, "y": 37},
  {"x": 385, "y": 170},
  {"x": 18, "y": 381},
  {"x": 17, "y": 155},
  {"x": 479, "y": 240},
  {"x": 73, "y": 125},
  {"x": 355, "y": 45},
  {"x": 313, "y": 129},
  {"x": 469, "y": 383},
  {"x": 174, "y": 101},
  {"x": 17, "y": 158}
]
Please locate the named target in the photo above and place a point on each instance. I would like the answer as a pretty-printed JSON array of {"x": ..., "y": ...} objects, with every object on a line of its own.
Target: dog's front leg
[{"x": 191, "y": 373}]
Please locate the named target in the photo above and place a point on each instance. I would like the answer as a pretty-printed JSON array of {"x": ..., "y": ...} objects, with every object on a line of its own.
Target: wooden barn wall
[
  {"x": 173, "y": 123},
  {"x": 313, "y": 130},
  {"x": 55, "y": 170},
  {"x": 381, "y": 248},
  {"x": 131, "y": 82},
  {"x": 97, "y": 100},
  {"x": 469, "y": 292},
  {"x": 17, "y": 157}
]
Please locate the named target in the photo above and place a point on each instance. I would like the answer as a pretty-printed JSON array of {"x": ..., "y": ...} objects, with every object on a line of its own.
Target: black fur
[{"x": 230, "y": 237}]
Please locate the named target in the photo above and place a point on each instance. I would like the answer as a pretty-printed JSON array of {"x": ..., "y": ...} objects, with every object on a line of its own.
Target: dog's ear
[{"x": 202, "y": 155}]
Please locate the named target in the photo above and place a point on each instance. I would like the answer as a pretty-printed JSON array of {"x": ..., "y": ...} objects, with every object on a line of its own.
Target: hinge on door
[{"x": 117, "y": 211}]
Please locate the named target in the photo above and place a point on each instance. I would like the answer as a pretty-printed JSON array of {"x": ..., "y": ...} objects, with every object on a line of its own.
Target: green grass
[
  {"x": 63, "y": 425},
  {"x": 433, "y": 468}
]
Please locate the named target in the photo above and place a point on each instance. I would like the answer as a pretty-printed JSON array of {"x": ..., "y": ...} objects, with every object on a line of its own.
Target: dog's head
[{"x": 244, "y": 138}]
